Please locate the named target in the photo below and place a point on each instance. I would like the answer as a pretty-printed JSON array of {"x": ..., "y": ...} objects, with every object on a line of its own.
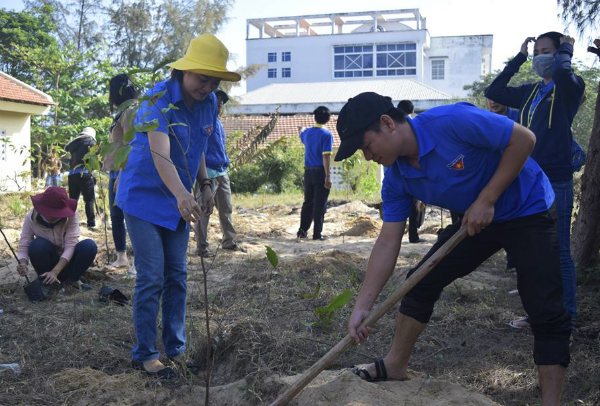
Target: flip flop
[
  {"x": 521, "y": 323},
  {"x": 381, "y": 372}
]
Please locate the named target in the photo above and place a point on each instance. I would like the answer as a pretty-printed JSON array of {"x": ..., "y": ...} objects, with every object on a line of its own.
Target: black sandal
[
  {"x": 379, "y": 369},
  {"x": 165, "y": 373}
]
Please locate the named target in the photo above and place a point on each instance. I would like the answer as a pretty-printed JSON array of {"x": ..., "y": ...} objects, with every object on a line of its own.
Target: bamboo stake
[{"x": 372, "y": 318}]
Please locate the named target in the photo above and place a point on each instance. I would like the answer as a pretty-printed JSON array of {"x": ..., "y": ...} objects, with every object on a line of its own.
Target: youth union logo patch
[
  {"x": 208, "y": 129},
  {"x": 457, "y": 164}
]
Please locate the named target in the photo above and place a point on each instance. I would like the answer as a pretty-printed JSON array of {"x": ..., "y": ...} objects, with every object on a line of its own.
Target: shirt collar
[
  {"x": 545, "y": 88},
  {"x": 175, "y": 89},
  {"x": 319, "y": 125}
]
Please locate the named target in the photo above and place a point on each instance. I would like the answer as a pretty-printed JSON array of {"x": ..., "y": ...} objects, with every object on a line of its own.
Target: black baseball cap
[
  {"x": 356, "y": 115},
  {"x": 223, "y": 95}
]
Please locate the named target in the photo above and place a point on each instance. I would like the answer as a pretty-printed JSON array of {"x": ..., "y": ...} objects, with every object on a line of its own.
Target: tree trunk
[{"x": 586, "y": 234}]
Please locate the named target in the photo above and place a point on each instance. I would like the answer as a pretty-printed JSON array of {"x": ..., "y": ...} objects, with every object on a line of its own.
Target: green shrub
[{"x": 280, "y": 168}]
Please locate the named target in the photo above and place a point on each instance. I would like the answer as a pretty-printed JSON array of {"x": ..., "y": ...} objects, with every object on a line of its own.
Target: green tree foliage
[
  {"x": 278, "y": 167},
  {"x": 582, "y": 125},
  {"x": 584, "y": 14},
  {"x": 71, "y": 48},
  {"x": 147, "y": 32},
  {"x": 76, "y": 21},
  {"x": 29, "y": 29}
]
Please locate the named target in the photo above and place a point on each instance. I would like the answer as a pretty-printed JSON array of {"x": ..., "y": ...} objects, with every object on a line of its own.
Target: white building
[
  {"x": 18, "y": 102},
  {"x": 374, "y": 45}
]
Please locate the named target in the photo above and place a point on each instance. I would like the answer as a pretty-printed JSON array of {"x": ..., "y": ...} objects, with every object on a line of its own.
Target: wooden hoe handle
[{"x": 372, "y": 318}]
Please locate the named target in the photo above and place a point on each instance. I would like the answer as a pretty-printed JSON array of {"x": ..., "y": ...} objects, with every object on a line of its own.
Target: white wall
[
  {"x": 466, "y": 58},
  {"x": 312, "y": 56},
  {"x": 14, "y": 153}
]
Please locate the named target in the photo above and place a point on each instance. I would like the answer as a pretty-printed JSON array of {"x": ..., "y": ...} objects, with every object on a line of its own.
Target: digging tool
[
  {"x": 372, "y": 318},
  {"x": 33, "y": 290}
]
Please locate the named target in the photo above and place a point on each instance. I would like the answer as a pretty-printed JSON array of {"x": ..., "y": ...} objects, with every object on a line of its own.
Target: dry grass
[{"x": 76, "y": 351}]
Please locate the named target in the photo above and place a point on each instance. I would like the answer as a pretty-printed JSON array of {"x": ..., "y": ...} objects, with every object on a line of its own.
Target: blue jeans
[
  {"x": 161, "y": 282},
  {"x": 564, "y": 209},
  {"x": 44, "y": 257},
  {"x": 117, "y": 219},
  {"x": 52, "y": 180}
]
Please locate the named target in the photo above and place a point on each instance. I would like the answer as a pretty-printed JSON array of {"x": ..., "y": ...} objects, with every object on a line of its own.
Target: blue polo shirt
[
  {"x": 216, "y": 154},
  {"x": 141, "y": 191},
  {"x": 460, "y": 147},
  {"x": 513, "y": 114},
  {"x": 317, "y": 141}
]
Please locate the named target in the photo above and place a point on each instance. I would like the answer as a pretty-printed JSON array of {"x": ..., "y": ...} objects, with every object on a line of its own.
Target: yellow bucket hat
[{"x": 208, "y": 56}]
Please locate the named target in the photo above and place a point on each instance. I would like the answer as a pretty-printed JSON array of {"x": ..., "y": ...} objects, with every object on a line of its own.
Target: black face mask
[{"x": 43, "y": 222}]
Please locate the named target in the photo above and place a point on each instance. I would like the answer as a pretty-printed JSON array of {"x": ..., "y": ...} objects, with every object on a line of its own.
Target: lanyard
[{"x": 531, "y": 112}]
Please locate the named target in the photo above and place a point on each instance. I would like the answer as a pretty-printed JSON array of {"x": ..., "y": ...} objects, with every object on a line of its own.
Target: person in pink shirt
[{"x": 50, "y": 240}]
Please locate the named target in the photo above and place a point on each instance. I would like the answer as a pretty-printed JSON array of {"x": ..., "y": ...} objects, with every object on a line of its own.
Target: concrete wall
[
  {"x": 312, "y": 56},
  {"x": 465, "y": 58},
  {"x": 15, "y": 142}
]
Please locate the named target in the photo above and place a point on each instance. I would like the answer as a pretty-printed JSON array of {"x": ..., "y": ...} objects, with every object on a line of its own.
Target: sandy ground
[{"x": 467, "y": 347}]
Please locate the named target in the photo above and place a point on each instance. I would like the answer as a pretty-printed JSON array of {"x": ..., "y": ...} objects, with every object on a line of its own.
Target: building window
[
  {"x": 437, "y": 70},
  {"x": 286, "y": 57},
  {"x": 3, "y": 146},
  {"x": 286, "y": 72},
  {"x": 272, "y": 73},
  {"x": 272, "y": 56},
  {"x": 352, "y": 61},
  {"x": 396, "y": 59}
]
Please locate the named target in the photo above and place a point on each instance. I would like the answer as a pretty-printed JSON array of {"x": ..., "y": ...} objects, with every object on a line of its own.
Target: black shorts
[{"x": 533, "y": 244}]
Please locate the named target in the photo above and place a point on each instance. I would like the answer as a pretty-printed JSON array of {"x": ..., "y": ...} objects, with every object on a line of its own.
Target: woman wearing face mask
[
  {"x": 548, "y": 108},
  {"x": 50, "y": 240}
]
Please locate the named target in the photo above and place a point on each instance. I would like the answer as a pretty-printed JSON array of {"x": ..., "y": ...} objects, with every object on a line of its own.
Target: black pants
[
  {"x": 533, "y": 244},
  {"x": 44, "y": 257},
  {"x": 413, "y": 225},
  {"x": 315, "y": 200},
  {"x": 84, "y": 184}
]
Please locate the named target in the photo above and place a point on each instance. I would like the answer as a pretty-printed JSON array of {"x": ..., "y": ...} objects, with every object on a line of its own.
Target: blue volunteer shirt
[
  {"x": 216, "y": 154},
  {"x": 513, "y": 114},
  {"x": 317, "y": 141},
  {"x": 141, "y": 192},
  {"x": 460, "y": 147}
]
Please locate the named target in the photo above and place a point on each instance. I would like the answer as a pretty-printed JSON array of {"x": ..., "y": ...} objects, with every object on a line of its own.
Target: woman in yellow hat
[{"x": 154, "y": 193}]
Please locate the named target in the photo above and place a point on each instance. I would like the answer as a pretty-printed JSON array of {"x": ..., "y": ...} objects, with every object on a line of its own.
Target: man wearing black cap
[
  {"x": 217, "y": 162},
  {"x": 475, "y": 163}
]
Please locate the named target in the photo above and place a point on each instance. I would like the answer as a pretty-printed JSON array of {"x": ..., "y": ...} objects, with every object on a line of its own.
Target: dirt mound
[
  {"x": 356, "y": 207},
  {"x": 364, "y": 227},
  {"x": 345, "y": 388},
  {"x": 91, "y": 387},
  {"x": 88, "y": 386}
]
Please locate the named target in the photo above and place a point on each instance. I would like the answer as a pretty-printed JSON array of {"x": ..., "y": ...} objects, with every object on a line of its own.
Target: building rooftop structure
[
  {"x": 335, "y": 23},
  {"x": 303, "y": 98},
  {"x": 13, "y": 90}
]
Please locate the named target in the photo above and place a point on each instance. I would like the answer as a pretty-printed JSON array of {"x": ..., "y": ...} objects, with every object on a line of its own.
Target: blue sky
[{"x": 510, "y": 21}]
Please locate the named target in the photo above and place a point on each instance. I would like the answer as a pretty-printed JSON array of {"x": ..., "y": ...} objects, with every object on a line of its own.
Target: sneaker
[
  {"x": 91, "y": 227},
  {"x": 320, "y": 237},
  {"x": 235, "y": 247},
  {"x": 301, "y": 234}
]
